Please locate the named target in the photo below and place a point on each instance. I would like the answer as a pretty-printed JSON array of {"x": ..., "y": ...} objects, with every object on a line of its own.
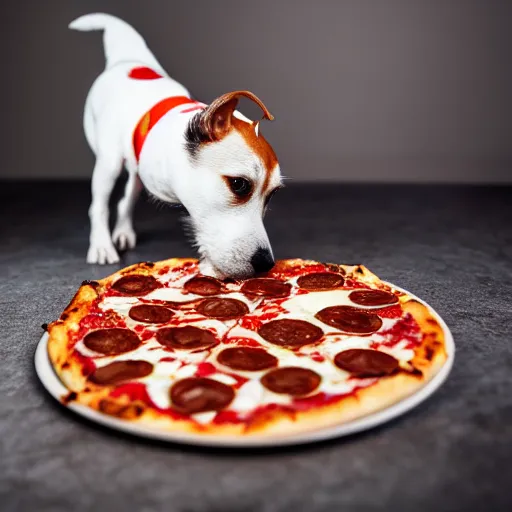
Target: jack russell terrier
[{"x": 209, "y": 158}]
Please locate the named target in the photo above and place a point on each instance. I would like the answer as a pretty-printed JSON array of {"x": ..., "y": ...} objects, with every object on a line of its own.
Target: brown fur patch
[{"x": 260, "y": 146}]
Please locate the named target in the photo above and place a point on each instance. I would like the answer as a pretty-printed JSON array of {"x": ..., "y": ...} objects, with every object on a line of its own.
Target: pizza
[{"x": 305, "y": 346}]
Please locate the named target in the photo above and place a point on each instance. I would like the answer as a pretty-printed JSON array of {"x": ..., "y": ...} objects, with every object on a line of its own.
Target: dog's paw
[
  {"x": 102, "y": 254},
  {"x": 124, "y": 237}
]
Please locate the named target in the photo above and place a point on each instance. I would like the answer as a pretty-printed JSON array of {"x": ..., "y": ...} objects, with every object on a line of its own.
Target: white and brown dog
[{"x": 211, "y": 159}]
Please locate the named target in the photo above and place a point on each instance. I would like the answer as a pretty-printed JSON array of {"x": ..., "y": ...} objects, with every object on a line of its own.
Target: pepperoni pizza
[{"x": 306, "y": 346}]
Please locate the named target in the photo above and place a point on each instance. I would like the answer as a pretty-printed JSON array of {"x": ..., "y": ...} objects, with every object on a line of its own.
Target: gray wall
[{"x": 383, "y": 90}]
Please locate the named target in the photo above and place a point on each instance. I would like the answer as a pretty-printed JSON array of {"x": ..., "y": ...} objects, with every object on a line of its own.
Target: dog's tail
[{"x": 121, "y": 41}]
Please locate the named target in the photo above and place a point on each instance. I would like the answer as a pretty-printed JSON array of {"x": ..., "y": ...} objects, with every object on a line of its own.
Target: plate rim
[{"x": 54, "y": 386}]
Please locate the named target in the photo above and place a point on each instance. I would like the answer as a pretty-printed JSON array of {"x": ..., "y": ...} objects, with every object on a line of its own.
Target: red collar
[{"x": 152, "y": 116}]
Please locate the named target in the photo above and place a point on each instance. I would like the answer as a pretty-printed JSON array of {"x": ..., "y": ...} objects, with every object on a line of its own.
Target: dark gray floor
[{"x": 451, "y": 246}]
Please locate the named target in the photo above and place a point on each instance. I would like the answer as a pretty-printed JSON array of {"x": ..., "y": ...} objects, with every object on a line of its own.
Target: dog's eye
[{"x": 240, "y": 186}]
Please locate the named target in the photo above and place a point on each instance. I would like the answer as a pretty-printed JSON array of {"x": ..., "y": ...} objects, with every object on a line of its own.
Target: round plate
[{"x": 56, "y": 388}]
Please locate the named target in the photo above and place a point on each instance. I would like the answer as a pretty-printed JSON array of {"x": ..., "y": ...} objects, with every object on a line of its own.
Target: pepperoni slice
[
  {"x": 135, "y": 285},
  {"x": 266, "y": 287},
  {"x": 203, "y": 285},
  {"x": 188, "y": 337},
  {"x": 373, "y": 298},
  {"x": 320, "y": 281},
  {"x": 200, "y": 394},
  {"x": 349, "y": 319},
  {"x": 112, "y": 341},
  {"x": 150, "y": 314},
  {"x": 223, "y": 309},
  {"x": 291, "y": 380},
  {"x": 247, "y": 359},
  {"x": 290, "y": 333},
  {"x": 366, "y": 363},
  {"x": 121, "y": 371}
]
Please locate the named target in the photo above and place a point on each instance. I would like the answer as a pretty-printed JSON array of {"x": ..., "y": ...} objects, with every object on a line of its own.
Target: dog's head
[{"x": 234, "y": 173}]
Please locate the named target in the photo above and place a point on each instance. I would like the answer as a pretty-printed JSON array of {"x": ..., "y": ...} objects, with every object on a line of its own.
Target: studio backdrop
[{"x": 362, "y": 90}]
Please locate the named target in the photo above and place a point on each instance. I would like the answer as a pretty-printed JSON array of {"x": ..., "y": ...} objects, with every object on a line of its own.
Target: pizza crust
[{"x": 428, "y": 359}]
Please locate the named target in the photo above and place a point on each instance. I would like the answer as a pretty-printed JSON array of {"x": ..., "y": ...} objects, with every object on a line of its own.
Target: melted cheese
[
  {"x": 170, "y": 294},
  {"x": 251, "y": 394}
]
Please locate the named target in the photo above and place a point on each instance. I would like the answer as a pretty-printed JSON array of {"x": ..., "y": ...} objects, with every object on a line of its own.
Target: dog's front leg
[
  {"x": 124, "y": 235},
  {"x": 101, "y": 248}
]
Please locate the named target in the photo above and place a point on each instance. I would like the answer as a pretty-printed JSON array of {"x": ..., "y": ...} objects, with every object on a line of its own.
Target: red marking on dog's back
[{"x": 144, "y": 73}]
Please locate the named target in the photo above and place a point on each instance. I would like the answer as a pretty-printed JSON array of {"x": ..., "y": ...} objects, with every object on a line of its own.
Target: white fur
[{"x": 227, "y": 236}]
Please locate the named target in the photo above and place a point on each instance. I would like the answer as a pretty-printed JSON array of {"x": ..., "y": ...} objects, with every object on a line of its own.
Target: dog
[{"x": 209, "y": 158}]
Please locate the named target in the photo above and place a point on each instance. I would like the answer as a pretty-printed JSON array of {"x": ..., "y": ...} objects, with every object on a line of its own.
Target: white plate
[{"x": 55, "y": 387}]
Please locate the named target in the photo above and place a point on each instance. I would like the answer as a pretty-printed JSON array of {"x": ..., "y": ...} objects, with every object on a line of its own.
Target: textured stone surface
[{"x": 451, "y": 246}]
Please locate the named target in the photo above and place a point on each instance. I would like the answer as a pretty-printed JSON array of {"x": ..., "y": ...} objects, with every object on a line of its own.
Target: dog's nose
[{"x": 262, "y": 260}]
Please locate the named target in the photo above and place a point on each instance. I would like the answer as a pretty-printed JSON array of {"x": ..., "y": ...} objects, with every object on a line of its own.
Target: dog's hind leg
[
  {"x": 124, "y": 236},
  {"x": 106, "y": 171}
]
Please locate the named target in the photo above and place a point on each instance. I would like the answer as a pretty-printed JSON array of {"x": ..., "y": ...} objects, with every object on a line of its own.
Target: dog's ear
[{"x": 217, "y": 119}]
